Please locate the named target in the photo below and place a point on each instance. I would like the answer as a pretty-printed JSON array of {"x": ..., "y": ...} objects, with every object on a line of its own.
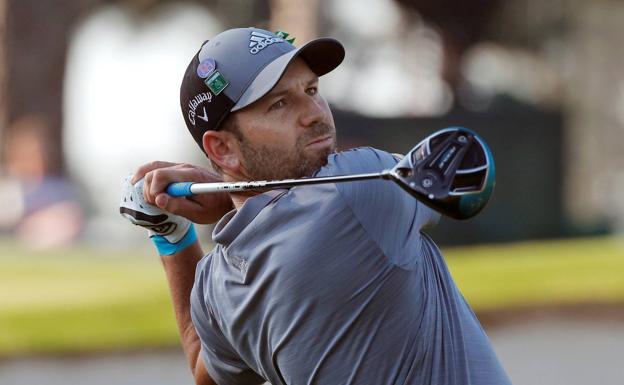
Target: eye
[
  {"x": 279, "y": 104},
  {"x": 312, "y": 91}
]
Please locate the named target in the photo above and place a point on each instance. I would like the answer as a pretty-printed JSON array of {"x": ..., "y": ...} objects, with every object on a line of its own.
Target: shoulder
[
  {"x": 360, "y": 159},
  {"x": 201, "y": 307},
  {"x": 360, "y": 196},
  {"x": 202, "y": 271},
  {"x": 203, "y": 266}
]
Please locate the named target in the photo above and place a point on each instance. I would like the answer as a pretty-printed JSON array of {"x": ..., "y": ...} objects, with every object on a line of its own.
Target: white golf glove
[{"x": 169, "y": 232}]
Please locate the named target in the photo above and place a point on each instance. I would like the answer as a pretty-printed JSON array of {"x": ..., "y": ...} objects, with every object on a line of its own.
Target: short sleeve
[
  {"x": 390, "y": 215},
  {"x": 222, "y": 362}
]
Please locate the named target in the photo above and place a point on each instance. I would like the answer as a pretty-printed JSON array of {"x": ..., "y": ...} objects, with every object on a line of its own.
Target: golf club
[{"x": 451, "y": 171}]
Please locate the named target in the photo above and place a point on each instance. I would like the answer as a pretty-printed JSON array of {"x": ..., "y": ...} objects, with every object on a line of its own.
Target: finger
[
  {"x": 199, "y": 174},
  {"x": 163, "y": 177},
  {"x": 147, "y": 182},
  {"x": 161, "y": 201},
  {"x": 157, "y": 180},
  {"x": 180, "y": 206},
  {"x": 147, "y": 167}
]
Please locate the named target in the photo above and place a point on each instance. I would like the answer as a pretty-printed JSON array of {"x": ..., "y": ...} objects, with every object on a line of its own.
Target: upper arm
[
  {"x": 218, "y": 361},
  {"x": 201, "y": 375}
]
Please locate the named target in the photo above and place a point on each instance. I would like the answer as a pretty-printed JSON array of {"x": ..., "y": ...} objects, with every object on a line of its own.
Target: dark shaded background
[{"x": 532, "y": 143}]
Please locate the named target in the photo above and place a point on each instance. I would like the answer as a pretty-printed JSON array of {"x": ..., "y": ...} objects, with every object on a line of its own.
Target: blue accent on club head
[{"x": 470, "y": 205}]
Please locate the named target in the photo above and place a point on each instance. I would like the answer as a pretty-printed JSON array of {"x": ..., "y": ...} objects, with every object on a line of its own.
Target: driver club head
[{"x": 451, "y": 171}]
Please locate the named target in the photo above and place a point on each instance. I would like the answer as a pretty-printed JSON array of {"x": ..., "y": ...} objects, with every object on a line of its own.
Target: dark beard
[{"x": 266, "y": 162}]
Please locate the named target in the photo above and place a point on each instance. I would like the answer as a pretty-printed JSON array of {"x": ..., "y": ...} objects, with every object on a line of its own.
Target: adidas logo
[{"x": 259, "y": 41}]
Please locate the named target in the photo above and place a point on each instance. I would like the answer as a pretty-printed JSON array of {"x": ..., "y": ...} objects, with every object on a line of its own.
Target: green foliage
[
  {"x": 82, "y": 300},
  {"x": 85, "y": 300},
  {"x": 540, "y": 273}
]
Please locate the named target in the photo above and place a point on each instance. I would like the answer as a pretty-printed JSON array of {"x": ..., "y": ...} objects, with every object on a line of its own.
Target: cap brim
[{"x": 321, "y": 55}]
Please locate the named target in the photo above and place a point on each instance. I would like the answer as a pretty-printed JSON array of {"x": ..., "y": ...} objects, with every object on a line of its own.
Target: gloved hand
[
  {"x": 170, "y": 233},
  {"x": 203, "y": 208}
]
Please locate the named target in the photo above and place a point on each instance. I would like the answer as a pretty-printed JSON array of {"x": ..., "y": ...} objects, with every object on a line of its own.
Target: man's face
[{"x": 289, "y": 132}]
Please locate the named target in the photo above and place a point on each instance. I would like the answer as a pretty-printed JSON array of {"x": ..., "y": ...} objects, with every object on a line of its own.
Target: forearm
[
  {"x": 180, "y": 272},
  {"x": 176, "y": 241}
]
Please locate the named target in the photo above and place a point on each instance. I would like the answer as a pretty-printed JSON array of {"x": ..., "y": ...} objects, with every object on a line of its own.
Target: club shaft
[{"x": 189, "y": 188}]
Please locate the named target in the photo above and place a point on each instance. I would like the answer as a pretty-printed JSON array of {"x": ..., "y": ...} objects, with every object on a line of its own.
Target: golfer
[{"x": 324, "y": 284}]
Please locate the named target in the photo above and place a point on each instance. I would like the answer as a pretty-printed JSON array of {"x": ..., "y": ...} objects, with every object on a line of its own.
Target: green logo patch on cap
[
  {"x": 284, "y": 35},
  {"x": 216, "y": 82}
]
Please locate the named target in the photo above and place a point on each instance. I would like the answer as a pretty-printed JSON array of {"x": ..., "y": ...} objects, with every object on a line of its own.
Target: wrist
[{"x": 165, "y": 247}]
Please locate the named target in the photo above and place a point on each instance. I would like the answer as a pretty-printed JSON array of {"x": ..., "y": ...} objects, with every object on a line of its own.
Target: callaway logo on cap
[
  {"x": 258, "y": 41},
  {"x": 239, "y": 66}
]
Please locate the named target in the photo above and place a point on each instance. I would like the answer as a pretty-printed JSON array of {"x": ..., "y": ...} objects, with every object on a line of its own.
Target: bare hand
[{"x": 202, "y": 209}]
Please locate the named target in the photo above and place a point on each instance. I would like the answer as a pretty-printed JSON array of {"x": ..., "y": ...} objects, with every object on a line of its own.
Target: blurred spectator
[{"x": 41, "y": 209}]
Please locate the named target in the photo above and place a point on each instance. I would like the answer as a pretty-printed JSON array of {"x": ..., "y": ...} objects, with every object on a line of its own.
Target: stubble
[{"x": 271, "y": 162}]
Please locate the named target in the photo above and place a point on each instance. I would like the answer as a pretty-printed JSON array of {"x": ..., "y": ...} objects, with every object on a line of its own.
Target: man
[{"x": 324, "y": 284}]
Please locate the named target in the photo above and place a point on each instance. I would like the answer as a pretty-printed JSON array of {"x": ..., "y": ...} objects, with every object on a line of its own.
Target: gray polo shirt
[{"x": 336, "y": 284}]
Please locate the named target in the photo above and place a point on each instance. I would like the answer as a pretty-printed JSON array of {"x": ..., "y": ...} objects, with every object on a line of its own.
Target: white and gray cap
[{"x": 239, "y": 66}]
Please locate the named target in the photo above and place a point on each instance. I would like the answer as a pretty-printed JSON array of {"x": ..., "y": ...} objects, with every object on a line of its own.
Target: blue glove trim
[{"x": 165, "y": 248}]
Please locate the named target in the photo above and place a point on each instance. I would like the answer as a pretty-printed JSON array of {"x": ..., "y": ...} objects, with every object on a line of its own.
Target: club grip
[{"x": 180, "y": 189}]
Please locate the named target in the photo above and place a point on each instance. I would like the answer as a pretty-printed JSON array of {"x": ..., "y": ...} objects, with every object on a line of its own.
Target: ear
[{"x": 223, "y": 148}]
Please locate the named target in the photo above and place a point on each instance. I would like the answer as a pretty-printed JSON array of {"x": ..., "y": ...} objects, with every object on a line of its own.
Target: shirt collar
[{"x": 235, "y": 221}]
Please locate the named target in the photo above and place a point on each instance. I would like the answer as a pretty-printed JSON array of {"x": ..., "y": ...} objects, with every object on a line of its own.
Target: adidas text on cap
[{"x": 239, "y": 66}]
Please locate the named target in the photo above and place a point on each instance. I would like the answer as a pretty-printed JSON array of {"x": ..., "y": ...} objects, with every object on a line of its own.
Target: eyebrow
[{"x": 280, "y": 92}]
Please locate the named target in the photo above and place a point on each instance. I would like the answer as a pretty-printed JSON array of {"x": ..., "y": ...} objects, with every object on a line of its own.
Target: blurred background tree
[
  {"x": 540, "y": 80},
  {"x": 3, "y": 65},
  {"x": 89, "y": 90}
]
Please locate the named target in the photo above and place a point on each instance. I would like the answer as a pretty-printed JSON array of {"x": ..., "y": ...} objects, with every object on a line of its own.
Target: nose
[{"x": 313, "y": 111}]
